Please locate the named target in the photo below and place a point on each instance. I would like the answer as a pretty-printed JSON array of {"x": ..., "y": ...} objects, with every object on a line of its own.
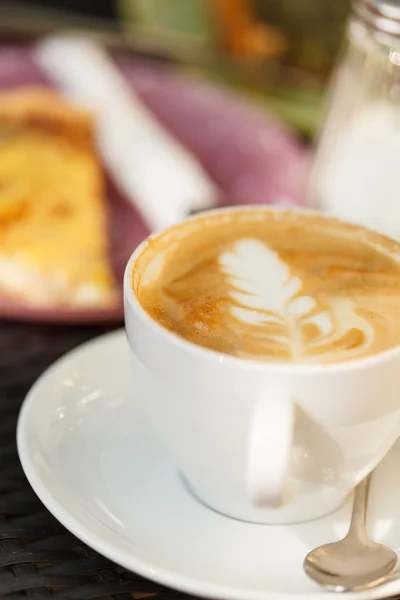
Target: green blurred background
[{"x": 279, "y": 52}]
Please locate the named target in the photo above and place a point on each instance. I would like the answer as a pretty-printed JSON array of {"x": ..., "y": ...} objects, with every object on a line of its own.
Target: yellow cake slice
[{"x": 53, "y": 222}]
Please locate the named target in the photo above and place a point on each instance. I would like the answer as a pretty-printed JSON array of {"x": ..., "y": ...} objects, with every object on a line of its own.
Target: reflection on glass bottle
[{"x": 356, "y": 171}]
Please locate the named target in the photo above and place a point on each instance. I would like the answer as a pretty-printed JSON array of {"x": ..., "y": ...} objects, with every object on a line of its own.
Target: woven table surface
[{"x": 39, "y": 558}]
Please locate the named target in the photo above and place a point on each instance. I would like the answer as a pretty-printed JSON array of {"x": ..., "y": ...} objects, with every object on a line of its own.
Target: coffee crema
[{"x": 273, "y": 285}]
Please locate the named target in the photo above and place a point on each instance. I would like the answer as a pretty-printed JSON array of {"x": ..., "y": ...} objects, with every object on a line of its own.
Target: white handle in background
[
  {"x": 270, "y": 444},
  {"x": 149, "y": 165}
]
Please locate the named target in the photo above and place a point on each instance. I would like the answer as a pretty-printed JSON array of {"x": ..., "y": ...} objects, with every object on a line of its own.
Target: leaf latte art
[
  {"x": 274, "y": 286},
  {"x": 268, "y": 298}
]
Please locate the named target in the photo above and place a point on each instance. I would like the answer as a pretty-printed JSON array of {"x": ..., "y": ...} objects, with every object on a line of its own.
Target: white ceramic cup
[{"x": 267, "y": 443}]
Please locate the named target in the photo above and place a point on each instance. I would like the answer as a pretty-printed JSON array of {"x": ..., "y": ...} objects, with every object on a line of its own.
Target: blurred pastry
[{"x": 53, "y": 222}]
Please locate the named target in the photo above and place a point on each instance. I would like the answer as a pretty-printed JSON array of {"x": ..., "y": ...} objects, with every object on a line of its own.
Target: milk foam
[
  {"x": 267, "y": 293},
  {"x": 276, "y": 286}
]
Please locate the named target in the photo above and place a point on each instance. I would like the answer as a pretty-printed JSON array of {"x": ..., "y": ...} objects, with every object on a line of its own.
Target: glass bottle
[{"x": 356, "y": 172}]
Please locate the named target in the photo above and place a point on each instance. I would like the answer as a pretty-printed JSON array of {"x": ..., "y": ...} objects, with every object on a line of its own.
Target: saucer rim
[{"x": 84, "y": 529}]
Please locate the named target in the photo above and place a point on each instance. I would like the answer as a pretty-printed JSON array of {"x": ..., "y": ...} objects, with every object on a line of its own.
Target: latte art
[
  {"x": 268, "y": 297},
  {"x": 274, "y": 286}
]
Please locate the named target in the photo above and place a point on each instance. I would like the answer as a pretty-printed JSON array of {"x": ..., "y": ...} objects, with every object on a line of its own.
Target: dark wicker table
[{"x": 39, "y": 559}]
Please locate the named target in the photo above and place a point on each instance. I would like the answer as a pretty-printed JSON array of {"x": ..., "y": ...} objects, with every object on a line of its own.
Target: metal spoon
[{"x": 355, "y": 562}]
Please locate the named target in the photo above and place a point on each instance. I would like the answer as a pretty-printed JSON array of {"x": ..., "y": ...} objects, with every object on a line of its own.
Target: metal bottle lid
[{"x": 382, "y": 15}]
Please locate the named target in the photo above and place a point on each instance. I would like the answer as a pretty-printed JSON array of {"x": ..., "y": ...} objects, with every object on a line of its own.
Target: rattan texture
[{"x": 39, "y": 558}]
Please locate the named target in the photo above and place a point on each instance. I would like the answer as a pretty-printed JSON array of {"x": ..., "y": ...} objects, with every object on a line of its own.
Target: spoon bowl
[
  {"x": 355, "y": 562},
  {"x": 337, "y": 567}
]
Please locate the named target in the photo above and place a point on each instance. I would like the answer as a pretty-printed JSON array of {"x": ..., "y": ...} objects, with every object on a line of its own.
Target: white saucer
[{"x": 92, "y": 458}]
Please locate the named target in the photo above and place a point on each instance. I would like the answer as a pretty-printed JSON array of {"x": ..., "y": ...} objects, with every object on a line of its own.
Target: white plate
[{"x": 93, "y": 459}]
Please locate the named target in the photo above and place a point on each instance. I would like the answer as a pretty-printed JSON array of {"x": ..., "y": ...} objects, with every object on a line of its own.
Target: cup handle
[{"x": 270, "y": 448}]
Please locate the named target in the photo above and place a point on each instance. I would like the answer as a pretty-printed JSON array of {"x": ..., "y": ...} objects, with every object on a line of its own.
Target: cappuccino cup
[{"x": 265, "y": 344}]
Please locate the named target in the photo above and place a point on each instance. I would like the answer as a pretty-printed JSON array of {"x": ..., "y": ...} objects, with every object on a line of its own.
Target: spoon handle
[{"x": 357, "y": 527}]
